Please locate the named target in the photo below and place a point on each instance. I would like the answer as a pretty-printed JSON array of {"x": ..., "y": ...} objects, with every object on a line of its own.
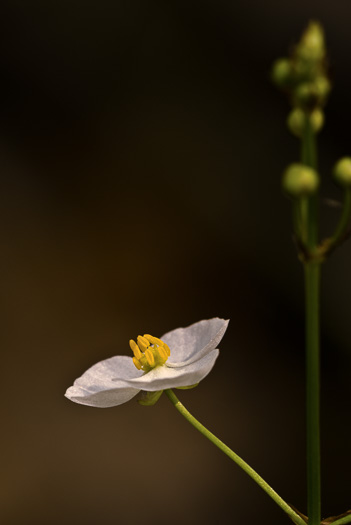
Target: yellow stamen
[
  {"x": 142, "y": 343},
  {"x": 137, "y": 363},
  {"x": 135, "y": 349},
  {"x": 153, "y": 340},
  {"x": 149, "y": 356},
  {"x": 149, "y": 352},
  {"x": 162, "y": 353}
]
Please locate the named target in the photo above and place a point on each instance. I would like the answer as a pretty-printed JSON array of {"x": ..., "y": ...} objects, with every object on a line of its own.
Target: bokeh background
[{"x": 141, "y": 148}]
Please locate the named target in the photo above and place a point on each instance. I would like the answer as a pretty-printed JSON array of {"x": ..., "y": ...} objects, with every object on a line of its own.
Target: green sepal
[
  {"x": 186, "y": 387},
  {"x": 148, "y": 399}
]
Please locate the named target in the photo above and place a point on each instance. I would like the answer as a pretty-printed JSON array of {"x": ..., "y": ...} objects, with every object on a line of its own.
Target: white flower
[{"x": 116, "y": 380}]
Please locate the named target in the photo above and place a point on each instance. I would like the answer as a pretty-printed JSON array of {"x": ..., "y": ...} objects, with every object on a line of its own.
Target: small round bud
[
  {"x": 312, "y": 94},
  {"x": 282, "y": 72},
  {"x": 311, "y": 46},
  {"x": 317, "y": 119},
  {"x": 297, "y": 120},
  {"x": 305, "y": 95},
  {"x": 322, "y": 87},
  {"x": 300, "y": 180},
  {"x": 342, "y": 172}
]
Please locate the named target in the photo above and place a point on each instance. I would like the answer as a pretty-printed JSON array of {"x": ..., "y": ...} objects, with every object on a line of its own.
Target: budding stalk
[
  {"x": 342, "y": 172},
  {"x": 300, "y": 180}
]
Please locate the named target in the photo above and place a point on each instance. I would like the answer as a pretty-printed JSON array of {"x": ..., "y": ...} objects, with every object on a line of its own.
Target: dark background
[{"x": 141, "y": 149}]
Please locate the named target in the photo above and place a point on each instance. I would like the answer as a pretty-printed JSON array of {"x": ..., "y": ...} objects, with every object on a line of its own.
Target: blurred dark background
[{"x": 141, "y": 148}]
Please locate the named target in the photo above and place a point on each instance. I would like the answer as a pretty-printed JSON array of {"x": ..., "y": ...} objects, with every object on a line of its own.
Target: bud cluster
[{"x": 303, "y": 76}]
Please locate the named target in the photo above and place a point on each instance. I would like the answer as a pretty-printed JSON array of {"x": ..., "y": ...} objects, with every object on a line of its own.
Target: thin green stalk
[
  {"x": 308, "y": 145},
  {"x": 312, "y": 289},
  {"x": 304, "y": 203},
  {"x": 312, "y": 285},
  {"x": 342, "y": 521},
  {"x": 240, "y": 462},
  {"x": 309, "y": 157}
]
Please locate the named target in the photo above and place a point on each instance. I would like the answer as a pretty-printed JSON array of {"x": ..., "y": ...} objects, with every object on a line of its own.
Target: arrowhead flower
[{"x": 180, "y": 359}]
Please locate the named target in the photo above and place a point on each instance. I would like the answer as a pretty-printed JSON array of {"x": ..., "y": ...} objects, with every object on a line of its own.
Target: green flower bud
[
  {"x": 305, "y": 95},
  {"x": 311, "y": 47},
  {"x": 297, "y": 120},
  {"x": 312, "y": 94},
  {"x": 322, "y": 86},
  {"x": 300, "y": 180},
  {"x": 342, "y": 172},
  {"x": 317, "y": 119},
  {"x": 282, "y": 74}
]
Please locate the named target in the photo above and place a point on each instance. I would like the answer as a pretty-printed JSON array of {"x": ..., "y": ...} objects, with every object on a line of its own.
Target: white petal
[
  {"x": 189, "y": 344},
  {"x": 164, "y": 376},
  {"x": 104, "y": 384}
]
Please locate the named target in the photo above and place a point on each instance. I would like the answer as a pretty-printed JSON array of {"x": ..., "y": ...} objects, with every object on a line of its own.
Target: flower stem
[
  {"x": 237, "y": 459},
  {"x": 309, "y": 157},
  {"x": 312, "y": 280},
  {"x": 312, "y": 288},
  {"x": 342, "y": 521}
]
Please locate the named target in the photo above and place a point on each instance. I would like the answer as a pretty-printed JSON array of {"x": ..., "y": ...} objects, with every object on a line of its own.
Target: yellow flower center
[{"x": 149, "y": 352}]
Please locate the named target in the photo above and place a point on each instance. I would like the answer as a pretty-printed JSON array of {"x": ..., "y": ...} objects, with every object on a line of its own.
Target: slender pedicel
[{"x": 237, "y": 459}]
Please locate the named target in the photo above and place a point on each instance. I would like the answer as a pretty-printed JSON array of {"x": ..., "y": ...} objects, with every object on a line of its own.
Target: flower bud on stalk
[
  {"x": 303, "y": 75},
  {"x": 300, "y": 180},
  {"x": 342, "y": 172},
  {"x": 282, "y": 73},
  {"x": 311, "y": 47},
  {"x": 297, "y": 121}
]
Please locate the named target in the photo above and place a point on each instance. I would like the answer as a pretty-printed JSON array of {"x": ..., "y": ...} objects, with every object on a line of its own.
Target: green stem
[
  {"x": 312, "y": 285},
  {"x": 304, "y": 204},
  {"x": 309, "y": 157},
  {"x": 342, "y": 521},
  {"x": 308, "y": 145},
  {"x": 312, "y": 288},
  {"x": 240, "y": 462}
]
